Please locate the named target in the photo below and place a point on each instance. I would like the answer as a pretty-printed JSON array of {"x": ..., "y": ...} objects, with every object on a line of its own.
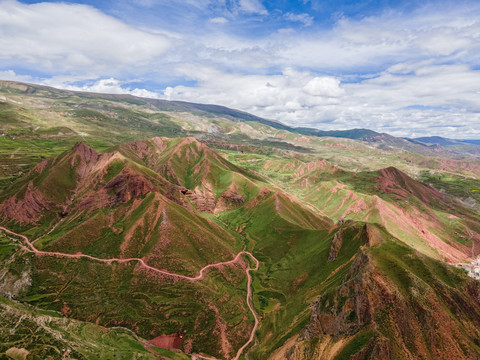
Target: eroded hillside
[{"x": 246, "y": 239}]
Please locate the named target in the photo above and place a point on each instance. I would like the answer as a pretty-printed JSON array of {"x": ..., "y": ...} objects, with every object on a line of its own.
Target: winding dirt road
[{"x": 31, "y": 248}]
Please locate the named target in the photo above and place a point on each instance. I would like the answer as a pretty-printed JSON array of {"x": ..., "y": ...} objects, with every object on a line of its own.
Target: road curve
[
  {"x": 250, "y": 306},
  {"x": 31, "y": 248}
]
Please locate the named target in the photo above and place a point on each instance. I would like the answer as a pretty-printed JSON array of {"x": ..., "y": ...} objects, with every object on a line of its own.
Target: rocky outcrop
[
  {"x": 396, "y": 322},
  {"x": 351, "y": 307},
  {"x": 129, "y": 185},
  {"x": 371, "y": 235},
  {"x": 335, "y": 245},
  {"x": 203, "y": 200},
  {"x": 229, "y": 199},
  {"x": 27, "y": 208},
  {"x": 122, "y": 188},
  {"x": 15, "y": 280},
  {"x": 83, "y": 158}
]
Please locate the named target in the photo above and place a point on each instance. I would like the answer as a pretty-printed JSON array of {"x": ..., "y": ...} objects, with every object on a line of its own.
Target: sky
[{"x": 408, "y": 68}]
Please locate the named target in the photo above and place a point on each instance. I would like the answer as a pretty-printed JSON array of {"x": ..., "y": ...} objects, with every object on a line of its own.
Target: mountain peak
[
  {"x": 393, "y": 180},
  {"x": 85, "y": 151}
]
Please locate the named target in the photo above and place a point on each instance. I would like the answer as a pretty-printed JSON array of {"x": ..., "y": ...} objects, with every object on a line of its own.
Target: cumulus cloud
[
  {"x": 323, "y": 86},
  {"x": 429, "y": 99},
  {"x": 111, "y": 86},
  {"x": 72, "y": 37},
  {"x": 12, "y": 76},
  {"x": 285, "y": 96}
]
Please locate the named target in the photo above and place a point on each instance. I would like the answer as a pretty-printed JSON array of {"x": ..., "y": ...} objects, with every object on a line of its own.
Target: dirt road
[{"x": 31, "y": 248}]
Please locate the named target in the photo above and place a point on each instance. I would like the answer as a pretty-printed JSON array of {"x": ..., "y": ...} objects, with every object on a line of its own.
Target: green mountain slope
[
  {"x": 83, "y": 209},
  {"x": 162, "y": 236},
  {"x": 56, "y": 336},
  {"x": 393, "y": 303}
]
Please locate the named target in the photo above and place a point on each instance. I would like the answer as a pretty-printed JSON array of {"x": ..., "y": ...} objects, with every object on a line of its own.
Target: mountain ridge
[{"x": 116, "y": 196}]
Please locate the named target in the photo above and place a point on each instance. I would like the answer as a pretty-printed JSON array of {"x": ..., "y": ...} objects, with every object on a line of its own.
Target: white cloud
[
  {"x": 285, "y": 96},
  {"x": 12, "y": 76},
  {"x": 218, "y": 20},
  {"x": 388, "y": 38},
  {"x": 429, "y": 99},
  {"x": 111, "y": 86},
  {"x": 78, "y": 38},
  {"x": 305, "y": 19},
  {"x": 324, "y": 86},
  {"x": 444, "y": 41},
  {"x": 252, "y": 7},
  {"x": 402, "y": 73}
]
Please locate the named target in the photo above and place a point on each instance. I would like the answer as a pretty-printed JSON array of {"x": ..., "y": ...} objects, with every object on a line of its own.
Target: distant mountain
[
  {"x": 348, "y": 134},
  {"x": 237, "y": 115},
  {"x": 436, "y": 140},
  {"x": 457, "y": 147},
  {"x": 201, "y": 109},
  {"x": 445, "y": 141},
  {"x": 473, "y": 142}
]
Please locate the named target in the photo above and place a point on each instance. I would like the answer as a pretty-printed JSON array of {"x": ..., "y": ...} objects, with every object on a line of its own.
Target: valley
[{"x": 243, "y": 237}]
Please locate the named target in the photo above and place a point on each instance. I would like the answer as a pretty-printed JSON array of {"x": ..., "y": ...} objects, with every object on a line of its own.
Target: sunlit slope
[
  {"x": 432, "y": 221},
  {"x": 55, "y": 336},
  {"x": 210, "y": 182},
  {"x": 393, "y": 303},
  {"x": 292, "y": 242},
  {"x": 107, "y": 205},
  {"x": 413, "y": 212}
]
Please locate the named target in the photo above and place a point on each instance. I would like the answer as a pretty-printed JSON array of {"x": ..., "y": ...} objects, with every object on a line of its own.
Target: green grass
[
  {"x": 46, "y": 335},
  {"x": 114, "y": 169},
  {"x": 294, "y": 266},
  {"x": 151, "y": 305},
  {"x": 458, "y": 186},
  {"x": 401, "y": 264},
  {"x": 7, "y": 247},
  {"x": 354, "y": 345}
]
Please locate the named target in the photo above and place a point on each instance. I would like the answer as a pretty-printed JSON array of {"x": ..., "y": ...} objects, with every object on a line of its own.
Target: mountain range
[{"x": 179, "y": 230}]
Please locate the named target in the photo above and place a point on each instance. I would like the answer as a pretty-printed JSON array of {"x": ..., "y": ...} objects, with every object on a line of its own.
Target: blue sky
[{"x": 409, "y": 68}]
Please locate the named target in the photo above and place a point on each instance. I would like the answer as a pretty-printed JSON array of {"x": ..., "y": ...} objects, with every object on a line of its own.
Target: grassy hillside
[
  {"x": 40, "y": 122},
  {"x": 436, "y": 223},
  {"x": 30, "y": 333},
  {"x": 147, "y": 214},
  {"x": 394, "y": 303}
]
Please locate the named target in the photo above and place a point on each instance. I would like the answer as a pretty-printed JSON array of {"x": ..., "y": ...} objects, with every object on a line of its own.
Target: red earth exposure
[{"x": 170, "y": 342}]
